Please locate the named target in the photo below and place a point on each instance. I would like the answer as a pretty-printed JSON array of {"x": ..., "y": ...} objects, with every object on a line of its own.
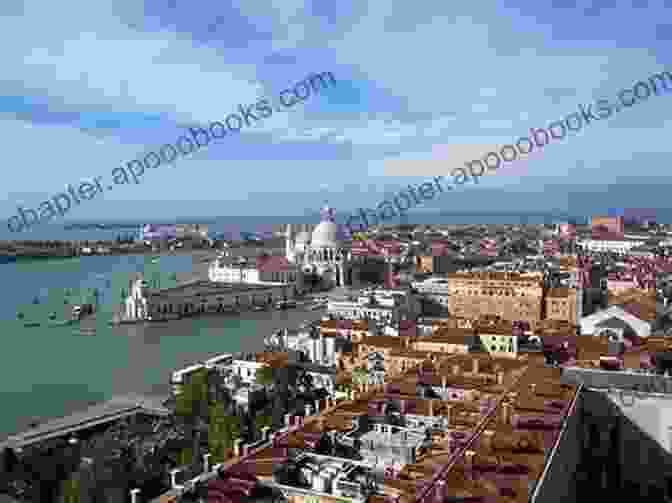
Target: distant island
[{"x": 69, "y": 227}]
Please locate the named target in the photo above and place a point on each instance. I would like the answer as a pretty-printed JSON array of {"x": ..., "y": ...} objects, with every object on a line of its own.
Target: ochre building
[{"x": 510, "y": 296}]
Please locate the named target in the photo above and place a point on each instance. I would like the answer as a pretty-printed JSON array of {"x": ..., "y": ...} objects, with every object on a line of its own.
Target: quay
[{"x": 112, "y": 410}]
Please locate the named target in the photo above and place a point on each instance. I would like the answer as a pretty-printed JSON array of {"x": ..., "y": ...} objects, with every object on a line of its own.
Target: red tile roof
[{"x": 274, "y": 263}]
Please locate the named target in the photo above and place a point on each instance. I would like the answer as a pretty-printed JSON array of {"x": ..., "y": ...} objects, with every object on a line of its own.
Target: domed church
[{"x": 322, "y": 253}]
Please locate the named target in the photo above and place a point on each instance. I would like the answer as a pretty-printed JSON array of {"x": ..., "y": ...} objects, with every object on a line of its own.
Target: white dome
[
  {"x": 325, "y": 235},
  {"x": 302, "y": 237}
]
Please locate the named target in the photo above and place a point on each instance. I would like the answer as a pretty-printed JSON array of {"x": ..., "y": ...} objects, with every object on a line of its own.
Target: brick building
[
  {"x": 510, "y": 296},
  {"x": 561, "y": 304}
]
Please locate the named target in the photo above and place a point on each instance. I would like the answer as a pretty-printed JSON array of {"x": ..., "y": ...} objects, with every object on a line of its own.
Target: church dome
[
  {"x": 325, "y": 235},
  {"x": 302, "y": 238}
]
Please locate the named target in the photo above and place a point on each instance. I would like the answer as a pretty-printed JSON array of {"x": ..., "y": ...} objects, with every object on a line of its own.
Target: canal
[{"x": 47, "y": 372}]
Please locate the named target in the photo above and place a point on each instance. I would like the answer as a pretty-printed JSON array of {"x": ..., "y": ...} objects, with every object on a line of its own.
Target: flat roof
[{"x": 208, "y": 288}]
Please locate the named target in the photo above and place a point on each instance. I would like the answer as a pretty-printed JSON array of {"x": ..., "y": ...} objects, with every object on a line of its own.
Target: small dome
[
  {"x": 325, "y": 235},
  {"x": 302, "y": 238}
]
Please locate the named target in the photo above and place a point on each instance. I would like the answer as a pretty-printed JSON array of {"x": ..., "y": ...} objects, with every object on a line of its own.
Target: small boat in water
[
  {"x": 30, "y": 324},
  {"x": 61, "y": 323}
]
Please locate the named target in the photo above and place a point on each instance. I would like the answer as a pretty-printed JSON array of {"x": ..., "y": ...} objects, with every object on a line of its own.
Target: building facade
[
  {"x": 508, "y": 295},
  {"x": 609, "y": 224},
  {"x": 561, "y": 305},
  {"x": 321, "y": 254}
]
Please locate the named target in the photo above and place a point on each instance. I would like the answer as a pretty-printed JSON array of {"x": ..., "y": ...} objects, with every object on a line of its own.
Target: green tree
[
  {"x": 260, "y": 422},
  {"x": 222, "y": 431},
  {"x": 192, "y": 406},
  {"x": 71, "y": 491},
  {"x": 264, "y": 376},
  {"x": 360, "y": 376}
]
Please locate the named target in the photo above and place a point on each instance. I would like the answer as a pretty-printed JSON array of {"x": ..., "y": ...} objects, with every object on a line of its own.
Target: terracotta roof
[
  {"x": 558, "y": 292},
  {"x": 274, "y": 263},
  {"x": 383, "y": 341}
]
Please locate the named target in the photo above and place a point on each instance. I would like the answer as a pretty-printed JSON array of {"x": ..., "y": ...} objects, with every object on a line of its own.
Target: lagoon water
[{"x": 49, "y": 371}]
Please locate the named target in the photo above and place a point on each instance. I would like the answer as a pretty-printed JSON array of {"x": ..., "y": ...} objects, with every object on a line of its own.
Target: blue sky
[{"x": 422, "y": 86}]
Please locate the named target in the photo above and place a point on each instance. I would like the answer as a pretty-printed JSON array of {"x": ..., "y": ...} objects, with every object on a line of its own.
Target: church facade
[{"x": 320, "y": 254}]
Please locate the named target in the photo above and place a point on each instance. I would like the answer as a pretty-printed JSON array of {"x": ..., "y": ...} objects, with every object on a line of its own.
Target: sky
[{"x": 421, "y": 88}]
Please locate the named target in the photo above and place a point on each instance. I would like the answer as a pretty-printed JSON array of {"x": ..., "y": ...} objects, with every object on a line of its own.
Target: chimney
[
  {"x": 444, "y": 382},
  {"x": 206, "y": 462},
  {"x": 533, "y": 388},
  {"x": 317, "y": 406},
  {"x": 440, "y": 491},
  {"x": 307, "y": 409},
  {"x": 135, "y": 498},
  {"x": 486, "y": 440},
  {"x": 431, "y": 408},
  {"x": 469, "y": 458},
  {"x": 475, "y": 365},
  {"x": 236, "y": 447},
  {"x": 506, "y": 413},
  {"x": 500, "y": 378},
  {"x": 449, "y": 414},
  {"x": 456, "y": 369}
]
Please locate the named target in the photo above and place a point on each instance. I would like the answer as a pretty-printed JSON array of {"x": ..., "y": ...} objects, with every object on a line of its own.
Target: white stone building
[{"x": 321, "y": 253}]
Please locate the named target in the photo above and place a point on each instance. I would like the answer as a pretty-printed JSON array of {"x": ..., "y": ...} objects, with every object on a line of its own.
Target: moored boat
[{"x": 7, "y": 259}]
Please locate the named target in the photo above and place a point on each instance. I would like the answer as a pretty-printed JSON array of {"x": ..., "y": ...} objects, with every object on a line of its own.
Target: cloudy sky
[{"x": 421, "y": 88}]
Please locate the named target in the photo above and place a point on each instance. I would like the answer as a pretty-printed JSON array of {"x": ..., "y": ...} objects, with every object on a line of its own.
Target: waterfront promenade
[{"x": 116, "y": 408}]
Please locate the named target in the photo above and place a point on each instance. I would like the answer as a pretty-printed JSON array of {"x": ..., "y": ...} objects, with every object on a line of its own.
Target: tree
[
  {"x": 264, "y": 377},
  {"x": 360, "y": 376},
  {"x": 222, "y": 432},
  {"x": 71, "y": 492},
  {"x": 192, "y": 406},
  {"x": 261, "y": 422}
]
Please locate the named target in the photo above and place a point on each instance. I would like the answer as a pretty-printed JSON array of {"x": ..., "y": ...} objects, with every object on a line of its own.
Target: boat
[
  {"x": 30, "y": 324},
  {"x": 7, "y": 259},
  {"x": 60, "y": 323},
  {"x": 155, "y": 260}
]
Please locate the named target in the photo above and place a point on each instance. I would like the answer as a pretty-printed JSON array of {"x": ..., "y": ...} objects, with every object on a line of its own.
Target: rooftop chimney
[
  {"x": 135, "y": 498},
  {"x": 533, "y": 387},
  {"x": 486, "y": 439},
  {"x": 440, "y": 491},
  {"x": 431, "y": 408},
  {"x": 469, "y": 458},
  {"x": 237, "y": 443},
  {"x": 444, "y": 382},
  {"x": 500, "y": 378},
  {"x": 456, "y": 369},
  {"x": 475, "y": 365},
  {"x": 449, "y": 414},
  {"x": 506, "y": 413}
]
